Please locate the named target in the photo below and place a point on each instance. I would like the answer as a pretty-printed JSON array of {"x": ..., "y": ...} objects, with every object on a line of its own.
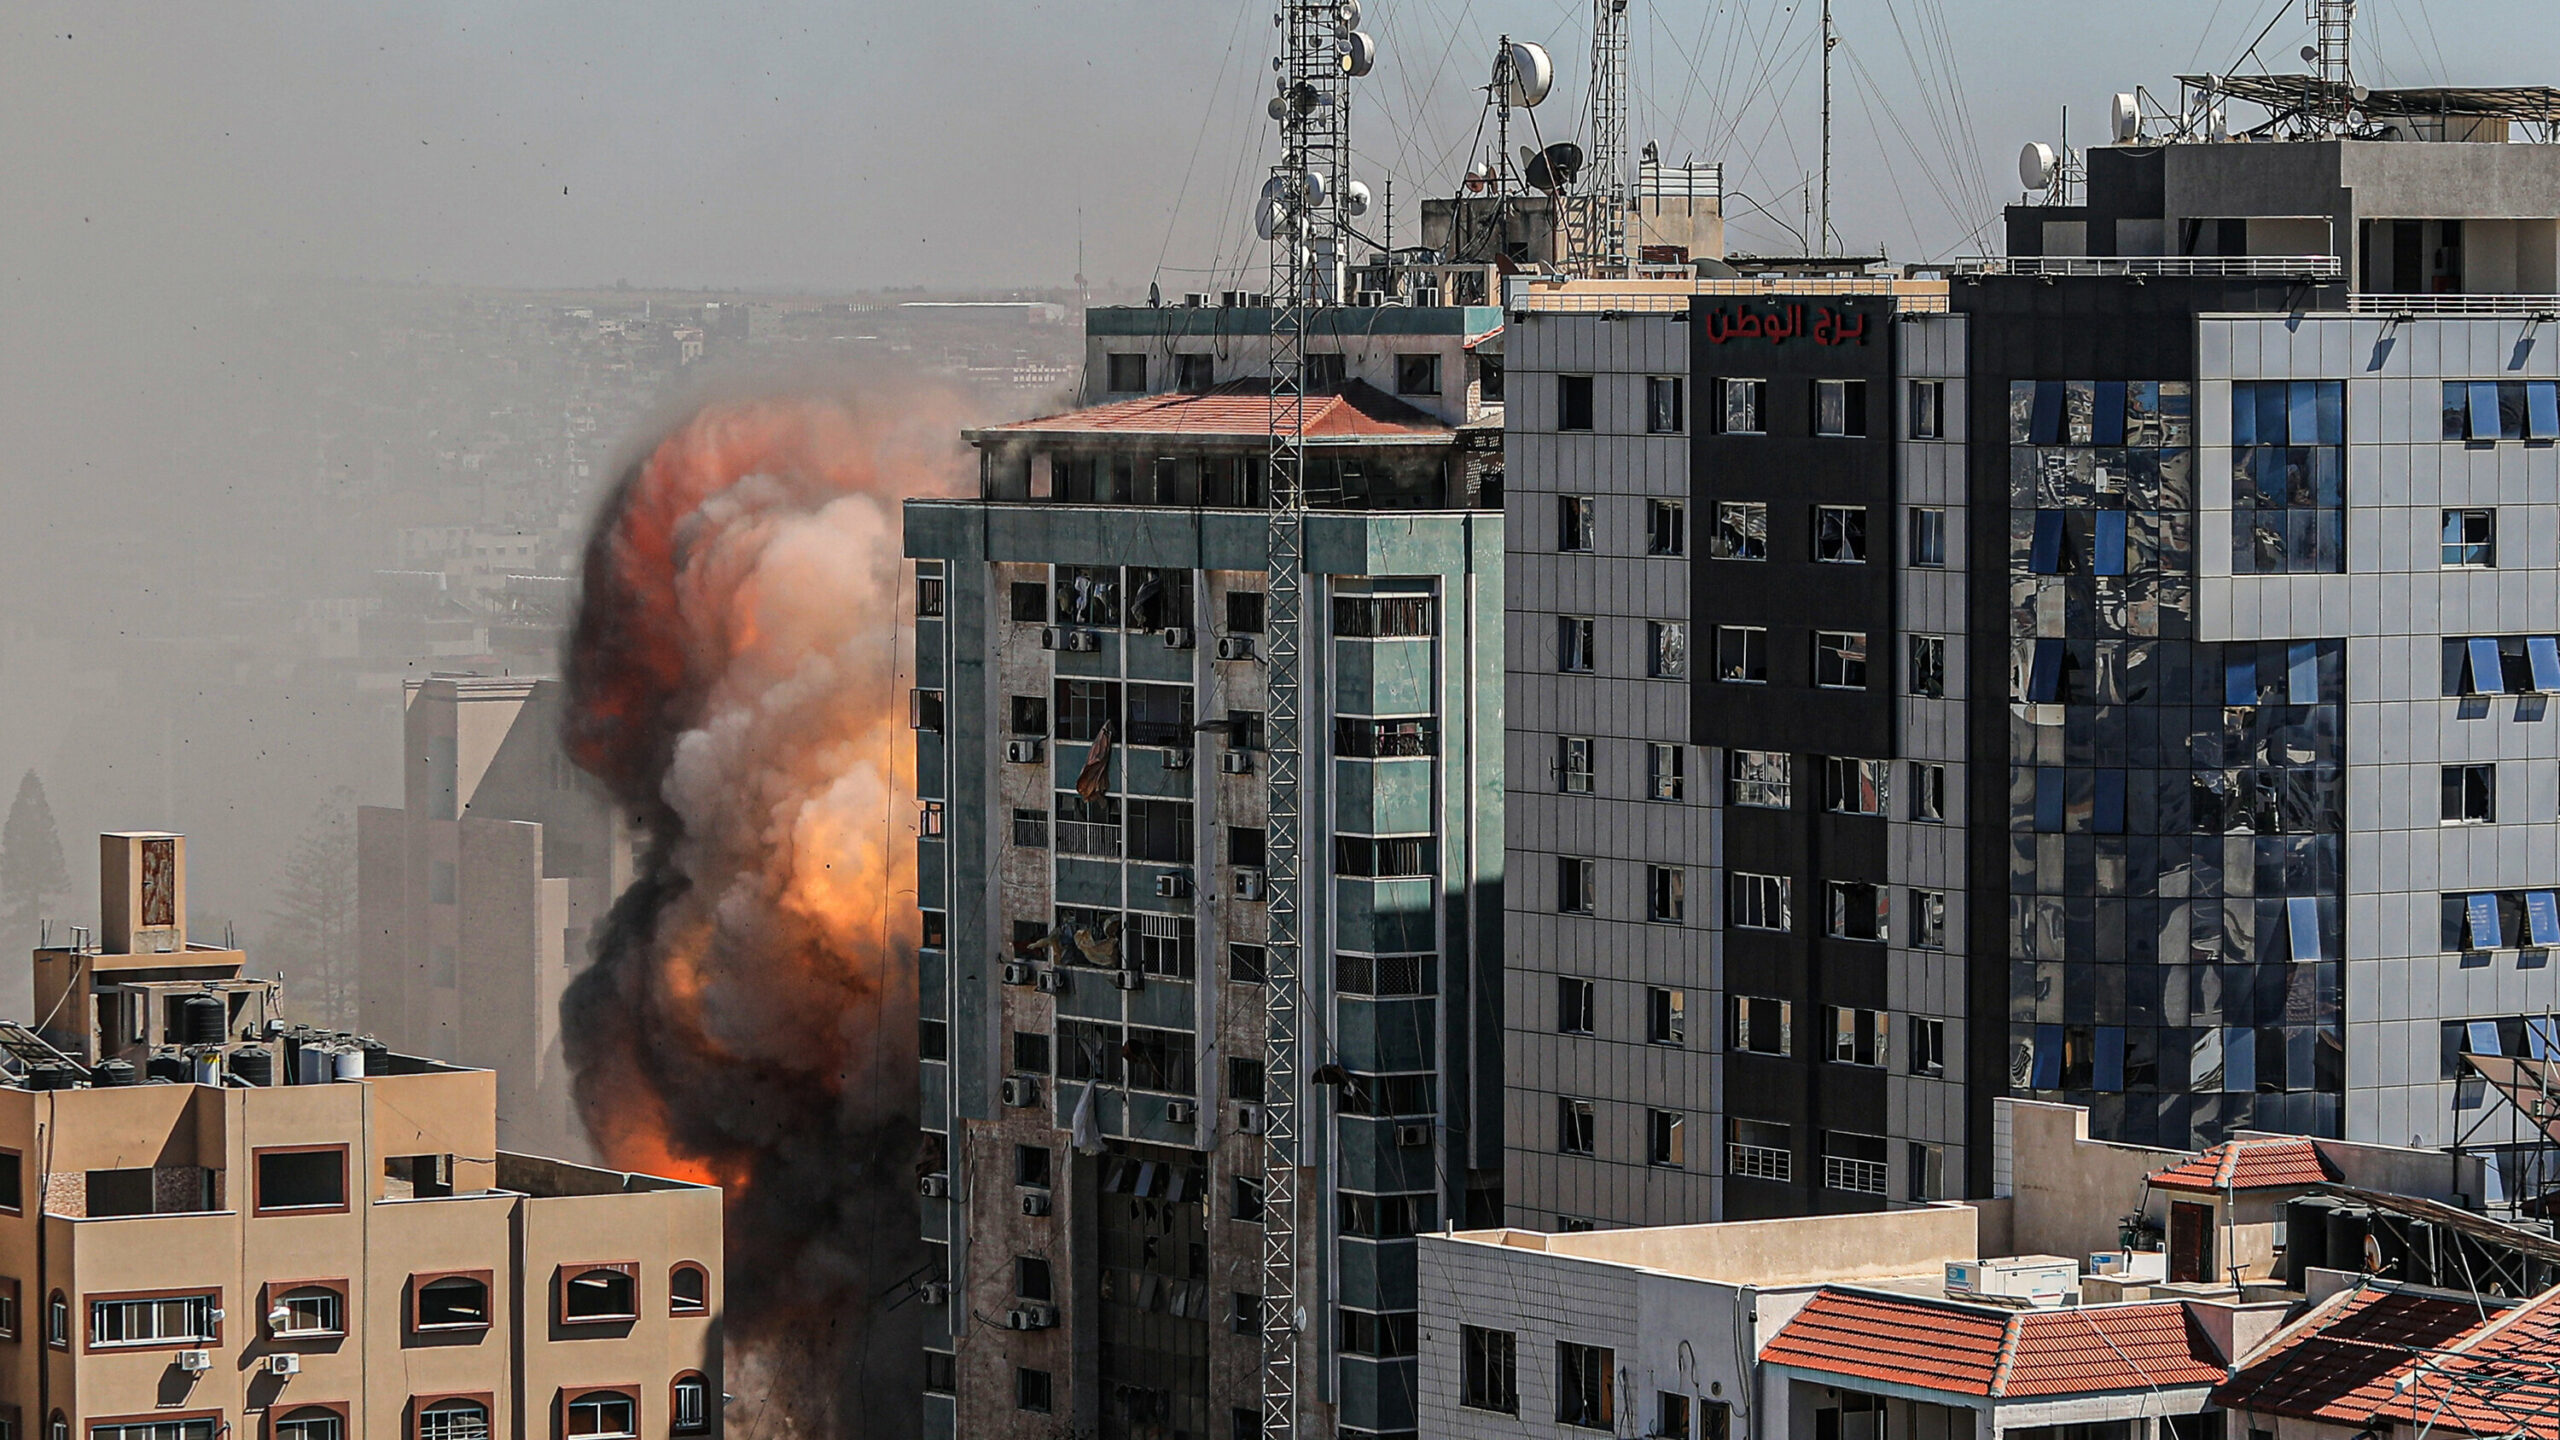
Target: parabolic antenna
[
  {"x": 2035, "y": 165},
  {"x": 1359, "y": 51},
  {"x": 1355, "y": 198},
  {"x": 1532, "y": 75},
  {"x": 2126, "y": 113},
  {"x": 1555, "y": 167}
]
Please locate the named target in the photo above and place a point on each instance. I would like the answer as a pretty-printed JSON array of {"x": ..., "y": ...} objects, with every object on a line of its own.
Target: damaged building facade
[{"x": 1090, "y": 719}]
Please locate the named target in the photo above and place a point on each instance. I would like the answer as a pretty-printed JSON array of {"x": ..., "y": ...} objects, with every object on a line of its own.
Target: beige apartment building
[
  {"x": 476, "y": 897},
  {"x": 216, "y": 1224}
]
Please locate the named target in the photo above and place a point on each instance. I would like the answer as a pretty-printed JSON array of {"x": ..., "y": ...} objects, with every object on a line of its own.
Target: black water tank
[
  {"x": 254, "y": 1064},
  {"x": 377, "y": 1056},
  {"x": 111, "y": 1073},
  {"x": 202, "y": 1020},
  {"x": 177, "y": 1069},
  {"x": 52, "y": 1075}
]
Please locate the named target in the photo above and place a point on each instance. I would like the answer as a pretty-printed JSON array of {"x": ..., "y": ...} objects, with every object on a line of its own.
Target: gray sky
[{"x": 837, "y": 145}]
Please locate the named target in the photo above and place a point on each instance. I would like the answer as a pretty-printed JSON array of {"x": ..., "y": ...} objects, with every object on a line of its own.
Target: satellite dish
[
  {"x": 1268, "y": 214},
  {"x": 2126, "y": 112},
  {"x": 2218, "y": 123},
  {"x": 1278, "y": 107},
  {"x": 1479, "y": 175},
  {"x": 1347, "y": 14},
  {"x": 1355, "y": 198},
  {"x": 2361, "y": 93},
  {"x": 1555, "y": 167},
  {"x": 2035, "y": 165},
  {"x": 2310, "y": 54},
  {"x": 1532, "y": 75},
  {"x": 1359, "y": 52}
]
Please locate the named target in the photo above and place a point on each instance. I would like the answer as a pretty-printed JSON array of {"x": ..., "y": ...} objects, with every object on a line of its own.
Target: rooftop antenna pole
[
  {"x": 1830, "y": 38},
  {"x": 1302, "y": 212},
  {"x": 1607, "y": 187},
  {"x": 2336, "y": 21}
]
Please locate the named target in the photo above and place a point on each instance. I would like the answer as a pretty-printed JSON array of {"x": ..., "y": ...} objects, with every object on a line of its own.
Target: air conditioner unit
[
  {"x": 1235, "y": 647},
  {"x": 1236, "y": 762},
  {"x": 1022, "y": 752},
  {"x": 1248, "y": 884},
  {"x": 1017, "y": 972},
  {"x": 2038, "y": 1280},
  {"x": 1372, "y": 298},
  {"x": 1128, "y": 980},
  {"x": 1019, "y": 1090},
  {"x": 1177, "y": 637},
  {"x": 1052, "y": 638},
  {"x": 1031, "y": 1317},
  {"x": 195, "y": 1362},
  {"x": 286, "y": 1364},
  {"x": 1176, "y": 759},
  {"x": 1082, "y": 640},
  {"x": 936, "y": 1186},
  {"x": 1249, "y": 1119},
  {"x": 934, "y": 1292},
  {"x": 1172, "y": 886},
  {"x": 1413, "y": 1137},
  {"x": 1035, "y": 1203},
  {"x": 1054, "y": 982},
  {"x": 1179, "y": 1112}
]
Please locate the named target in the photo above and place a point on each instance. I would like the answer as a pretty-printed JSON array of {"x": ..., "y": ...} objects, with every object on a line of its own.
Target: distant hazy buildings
[{"x": 478, "y": 895}]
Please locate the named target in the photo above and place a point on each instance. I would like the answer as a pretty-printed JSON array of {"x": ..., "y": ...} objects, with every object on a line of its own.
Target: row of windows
[
  {"x": 1765, "y": 779},
  {"x": 1855, "y": 909},
  {"x": 592, "y": 1414},
  {"x": 2512, "y": 665},
  {"x": 1740, "y": 406},
  {"x": 1666, "y": 525},
  {"x": 1760, "y": 1025},
  {"x": 1586, "y": 1388},
  {"x": 1754, "y": 1149},
  {"x": 1125, "y": 373}
]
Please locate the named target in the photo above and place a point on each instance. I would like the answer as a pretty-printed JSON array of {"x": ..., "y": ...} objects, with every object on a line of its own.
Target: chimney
[{"x": 142, "y": 893}]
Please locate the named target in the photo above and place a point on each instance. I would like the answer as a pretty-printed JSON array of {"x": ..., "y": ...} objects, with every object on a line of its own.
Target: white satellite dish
[
  {"x": 1347, "y": 13},
  {"x": 2126, "y": 113},
  {"x": 1355, "y": 198},
  {"x": 1278, "y": 107},
  {"x": 1267, "y": 217},
  {"x": 2035, "y": 165},
  {"x": 2218, "y": 123},
  {"x": 1359, "y": 52},
  {"x": 1532, "y": 75}
]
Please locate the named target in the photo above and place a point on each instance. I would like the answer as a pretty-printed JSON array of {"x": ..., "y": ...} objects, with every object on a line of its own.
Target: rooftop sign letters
[{"x": 1781, "y": 323}]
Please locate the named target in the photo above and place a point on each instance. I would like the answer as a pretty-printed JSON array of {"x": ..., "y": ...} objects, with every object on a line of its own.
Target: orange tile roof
[
  {"x": 1884, "y": 1337},
  {"x": 1991, "y": 1352},
  {"x": 2397, "y": 1355},
  {"x": 1242, "y": 408},
  {"x": 2274, "y": 1162}
]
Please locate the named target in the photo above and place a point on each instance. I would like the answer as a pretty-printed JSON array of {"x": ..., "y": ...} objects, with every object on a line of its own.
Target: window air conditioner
[
  {"x": 1053, "y": 982},
  {"x": 1019, "y": 1090},
  {"x": 1031, "y": 1317},
  {"x": 1177, "y": 637},
  {"x": 286, "y": 1364},
  {"x": 1035, "y": 1203},
  {"x": 1413, "y": 1137},
  {"x": 195, "y": 1362},
  {"x": 1248, "y": 1119},
  {"x": 1017, "y": 972},
  {"x": 1172, "y": 886},
  {"x": 934, "y": 1292},
  {"x": 1022, "y": 752},
  {"x": 1236, "y": 762},
  {"x": 1235, "y": 647},
  {"x": 1128, "y": 980},
  {"x": 1179, "y": 1112},
  {"x": 1248, "y": 884},
  {"x": 1083, "y": 641},
  {"x": 936, "y": 1186},
  {"x": 1052, "y": 638},
  {"x": 1176, "y": 759}
]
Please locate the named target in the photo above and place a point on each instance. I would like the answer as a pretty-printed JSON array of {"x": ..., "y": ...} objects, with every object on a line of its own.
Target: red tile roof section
[
  {"x": 2108, "y": 1347},
  {"x": 1906, "y": 1342},
  {"x": 2273, "y": 1163},
  {"x": 1978, "y": 1350},
  {"x": 1243, "y": 408},
  {"x": 2345, "y": 1363}
]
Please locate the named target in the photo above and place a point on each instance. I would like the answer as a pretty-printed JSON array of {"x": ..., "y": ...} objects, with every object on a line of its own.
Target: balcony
[
  {"x": 1759, "y": 1162},
  {"x": 2538, "y": 307},
  {"x": 1861, "y": 1177}
]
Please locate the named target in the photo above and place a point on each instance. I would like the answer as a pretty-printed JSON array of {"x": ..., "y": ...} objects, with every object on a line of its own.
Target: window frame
[
  {"x": 1830, "y": 656},
  {"x": 1852, "y": 404},
  {"x": 1840, "y": 911},
  {"x": 95, "y": 1424},
  {"x": 570, "y": 1398},
  {"x": 1577, "y": 404},
  {"x": 1577, "y": 525},
  {"x": 1928, "y": 919},
  {"x": 258, "y": 1180},
  {"x": 2486, "y": 546},
  {"x": 1601, "y": 1363},
  {"x": 1925, "y": 537},
  {"x": 1840, "y": 530},
  {"x": 215, "y": 1317},
  {"x": 1584, "y": 887},
  {"x": 1113, "y": 363},
  {"x": 1742, "y": 397},
  {"x": 1577, "y": 644},
  {"x": 292, "y": 1410},
  {"x": 1926, "y": 402},
  {"x": 1577, "y": 1126},
  {"x": 274, "y": 1292},
  {"x": 1666, "y": 1016},
  {"x": 420, "y": 1280},
  {"x": 675, "y": 1305},
  {"x": 2459, "y": 796},
  {"x": 1771, "y": 781},
  {"x": 1762, "y": 888},
  {"x": 1499, "y": 1390},
  {"x": 13, "y": 1313},
  {"x": 1666, "y": 889},
  {"x": 1928, "y": 1047},
  {"x": 1666, "y": 770},
  {"x": 1735, "y": 541},
  {"x": 1656, "y": 388},
  {"x": 1926, "y": 667},
  {"x": 1753, "y": 640},
  {"x": 1569, "y": 748},
  {"x": 675, "y": 1412},
  {"x": 1666, "y": 651},
  {"x": 1666, "y": 1139},
  {"x": 1577, "y": 1005},
  {"x": 1418, "y": 372},
  {"x": 1666, "y": 528}
]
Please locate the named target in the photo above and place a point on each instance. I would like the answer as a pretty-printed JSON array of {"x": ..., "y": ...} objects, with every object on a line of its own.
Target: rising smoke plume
[{"x": 749, "y": 1020}]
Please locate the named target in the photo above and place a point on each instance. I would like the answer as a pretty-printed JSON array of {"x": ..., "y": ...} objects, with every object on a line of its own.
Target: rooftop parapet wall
[{"x": 1805, "y": 1250}]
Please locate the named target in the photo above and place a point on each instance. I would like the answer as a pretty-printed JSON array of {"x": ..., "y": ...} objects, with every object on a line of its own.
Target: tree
[
  {"x": 32, "y": 876},
  {"x": 311, "y": 936}
]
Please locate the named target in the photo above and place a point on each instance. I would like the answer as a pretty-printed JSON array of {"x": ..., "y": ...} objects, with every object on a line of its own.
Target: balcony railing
[
  {"x": 2386, "y": 303},
  {"x": 1759, "y": 1162},
  {"x": 2279, "y": 267},
  {"x": 1863, "y": 1177},
  {"x": 1086, "y": 837}
]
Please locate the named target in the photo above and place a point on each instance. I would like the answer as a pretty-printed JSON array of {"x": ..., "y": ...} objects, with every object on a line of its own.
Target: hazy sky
[{"x": 838, "y": 144}]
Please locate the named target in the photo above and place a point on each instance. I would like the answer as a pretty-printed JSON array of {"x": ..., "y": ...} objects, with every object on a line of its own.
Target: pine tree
[
  {"x": 311, "y": 937},
  {"x": 32, "y": 876}
]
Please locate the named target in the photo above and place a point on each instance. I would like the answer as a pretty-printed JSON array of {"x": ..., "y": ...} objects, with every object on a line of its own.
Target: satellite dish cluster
[{"x": 1356, "y": 53}]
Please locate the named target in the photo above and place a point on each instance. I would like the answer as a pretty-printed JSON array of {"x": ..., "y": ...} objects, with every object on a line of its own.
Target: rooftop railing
[{"x": 2274, "y": 267}]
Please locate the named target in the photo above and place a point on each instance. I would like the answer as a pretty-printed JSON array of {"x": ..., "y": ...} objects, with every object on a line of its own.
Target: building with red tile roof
[
  {"x": 1357, "y": 413},
  {"x": 1996, "y": 1353},
  {"x": 2266, "y": 1162},
  {"x": 2378, "y": 1354}
]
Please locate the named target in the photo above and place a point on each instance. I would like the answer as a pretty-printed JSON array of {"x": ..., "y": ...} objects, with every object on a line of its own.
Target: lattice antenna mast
[
  {"x": 1606, "y": 172},
  {"x": 1302, "y": 212},
  {"x": 2336, "y": 22}
]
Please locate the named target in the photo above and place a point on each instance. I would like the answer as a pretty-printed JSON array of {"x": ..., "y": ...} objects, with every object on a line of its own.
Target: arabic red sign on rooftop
[{"x": 1823, "y": 325}]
